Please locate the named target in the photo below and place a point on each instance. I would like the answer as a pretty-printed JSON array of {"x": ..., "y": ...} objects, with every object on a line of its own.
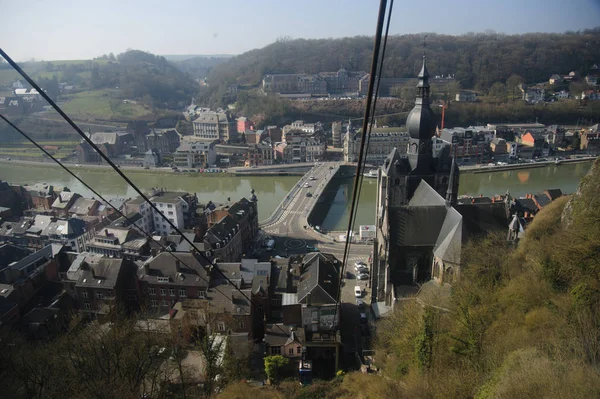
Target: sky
[{"x": 83, "y": 29}]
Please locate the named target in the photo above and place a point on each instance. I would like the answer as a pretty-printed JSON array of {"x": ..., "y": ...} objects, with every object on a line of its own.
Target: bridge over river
[{"x": 289, "y": 223}]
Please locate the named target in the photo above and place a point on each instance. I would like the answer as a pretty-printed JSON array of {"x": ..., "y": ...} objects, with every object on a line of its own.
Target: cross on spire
[{"x": 424, "y": 45}]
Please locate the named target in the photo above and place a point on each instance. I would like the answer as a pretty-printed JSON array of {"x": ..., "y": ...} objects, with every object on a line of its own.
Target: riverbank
[{"x": 519, "y": 166}]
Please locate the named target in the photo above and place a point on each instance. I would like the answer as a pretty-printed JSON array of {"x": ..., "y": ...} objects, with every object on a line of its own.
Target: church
[{"x": 420, "y": 225}]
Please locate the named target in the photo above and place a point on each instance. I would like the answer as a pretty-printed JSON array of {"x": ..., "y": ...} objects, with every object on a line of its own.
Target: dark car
[
  {"x": 360, "y": 303},
  {"x": 308, "y": 194}
]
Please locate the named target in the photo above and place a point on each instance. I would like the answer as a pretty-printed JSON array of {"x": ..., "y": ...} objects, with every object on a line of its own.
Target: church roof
[
  {"x": 483, "y": 218},
  {"x": 425, "y": 195},
  {"x": 419, "y": 223},
  {"x": 448, "y": 245}
]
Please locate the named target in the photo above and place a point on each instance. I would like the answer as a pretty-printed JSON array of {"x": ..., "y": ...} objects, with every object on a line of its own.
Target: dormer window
[{"x": 163, "y": 279}]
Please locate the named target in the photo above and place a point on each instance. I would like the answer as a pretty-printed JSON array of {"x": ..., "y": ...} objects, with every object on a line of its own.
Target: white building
[{"x": 177, "y": 207}]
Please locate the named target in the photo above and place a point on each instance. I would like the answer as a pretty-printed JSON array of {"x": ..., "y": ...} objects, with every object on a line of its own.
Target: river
[{"x": 270, "y": 190}]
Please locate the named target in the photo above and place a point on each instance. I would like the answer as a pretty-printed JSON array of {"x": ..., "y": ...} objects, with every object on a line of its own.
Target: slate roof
[
  {"x": 193, "y": 270},
  {"x": 281, "y": 335},
  {"x": 219, "y": 231},
  {"x": 483, "y": 218},
  {"x": 425, "y": 195},
  {"x": 526, "y": 205},
  {"x": 320, "y": 279},
  {"x": 542, "y": 199},
  {"x": 449, "y": 241},
  {"x": 416, "y": 226},
  {"x": 64, "y": 199},
  {"x": 103, "y": 274},
  {"x": 84, "y": 206},
  {"x": 554, "y": 193}
]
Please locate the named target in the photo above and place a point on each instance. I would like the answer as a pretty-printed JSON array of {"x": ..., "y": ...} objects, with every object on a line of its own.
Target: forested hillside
[{"x": 476, "y": 60}]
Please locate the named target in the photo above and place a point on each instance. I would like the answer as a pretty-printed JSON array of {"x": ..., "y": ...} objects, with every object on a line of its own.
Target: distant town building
[
  {"x": 466, "y": 96},
  {"x": 151, "y": 159},
  {"x": 339, "y": 82},
  {"x": 467, "y": 145},
  {"x": 244, "y": 124},
  {"x": 165, "y": 141},
  {"x": 336, "y": 134},
  {"x": 214, "y": 126},
  {"x": 197, "y": 153},
  {"x": 533, "y": 95},
  {"x": 380, "y": 142}
]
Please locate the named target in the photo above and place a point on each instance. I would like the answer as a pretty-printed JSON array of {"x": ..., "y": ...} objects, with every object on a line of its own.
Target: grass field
[
  {"x": 38, "y": 70},
  {"x": 103, "y": 104}
]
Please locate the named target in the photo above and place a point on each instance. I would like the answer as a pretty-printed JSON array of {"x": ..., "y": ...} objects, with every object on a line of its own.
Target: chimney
[
  {"x": 177, "y": 265},
  {"x": 106, "y": 232}
]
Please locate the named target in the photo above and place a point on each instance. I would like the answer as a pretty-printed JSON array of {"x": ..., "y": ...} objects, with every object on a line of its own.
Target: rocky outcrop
[{"x": 586, "y": 198}]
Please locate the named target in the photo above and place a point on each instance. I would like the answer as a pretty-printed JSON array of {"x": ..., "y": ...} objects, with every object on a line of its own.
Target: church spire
[{"x": 450, "y": 191}]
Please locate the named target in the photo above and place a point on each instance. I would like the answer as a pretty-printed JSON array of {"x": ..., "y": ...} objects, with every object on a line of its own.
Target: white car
[
  {"x": 361, "y": 268},
  {"x": 358, "y": 264},
  {"x": 357, "y": 291}
]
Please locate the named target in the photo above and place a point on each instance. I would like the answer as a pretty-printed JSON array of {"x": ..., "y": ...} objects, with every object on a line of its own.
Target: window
[
  {"x": 84, "y": 294},
  {"x": 154, "y": 303},
  {"x": 170, "y": 212},
  {"x": 291, "y": 351},
  {"x": 298, "y": 350},
  {"x": 276, "y": 350},
  {"x": 276, "y": 302},
  {"x": 182, "y": 292},
  {"x": 241, "y": 325},
  {"x": 201, "y": 294},
  {"x": 163, "y": 292},
  {"x": 165, "y": 302},
  {"x": 99, "y": 295},
  {"x": 152, "y": 291},
  {"x": 169, "y": 206},
  {"x": 172, "y": 292},
  {"x": 221, "y": 326},
  {"x": 87, "y": 306},
  {"x": 162, "y": 279}
]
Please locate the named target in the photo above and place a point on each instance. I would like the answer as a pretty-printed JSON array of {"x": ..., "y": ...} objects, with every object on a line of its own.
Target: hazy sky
[{"x": 82, "y": 29}]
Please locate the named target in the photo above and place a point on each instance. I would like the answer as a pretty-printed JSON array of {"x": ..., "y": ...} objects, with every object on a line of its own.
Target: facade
[
  {"x": 336, "y": 134},
  {"x": 178, "y": 207},
  {"x": 192, "y": 154},
  {"x": 164, "y": 141},
  {"x": 467, "y": 145},
  {"x": 119, "y": 242},
  {"x": 259, "y": 155},
  {"x": 164, "y": 280},
  {"x": 590, "y": 140},
  {"x": 23, "y": 273},
  {"x": 303, "y": 147},
  {"x": 99, "y": 284},
  {"x": 498, "y": 146},
  {"x": 339, "y": 82},
  {"x": 382, "y": 139},
  {"x": 40, "y": 196},
  {"x": 232, "y": 229},
  {"x": 214, "y": 126}
]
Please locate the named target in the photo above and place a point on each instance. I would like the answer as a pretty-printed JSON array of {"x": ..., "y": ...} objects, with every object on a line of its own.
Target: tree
[
  {"x": 498, "y": 90},
  {"x": 276, "y": 367},
  {"x": 512, "y": 85}
]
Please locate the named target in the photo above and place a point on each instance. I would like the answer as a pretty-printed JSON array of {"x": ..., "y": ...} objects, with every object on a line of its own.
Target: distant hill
[
  {"x": 477, "y": 60},
  {"x": 183, "y": 57},
  {"x": 200, "y": 66}
]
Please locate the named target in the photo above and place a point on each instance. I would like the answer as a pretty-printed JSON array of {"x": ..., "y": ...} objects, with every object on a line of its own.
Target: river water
[{"x": 270, "y": 190}]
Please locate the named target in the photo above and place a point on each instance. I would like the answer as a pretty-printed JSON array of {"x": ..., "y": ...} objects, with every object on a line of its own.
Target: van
[{"x": 357, "y": 291}]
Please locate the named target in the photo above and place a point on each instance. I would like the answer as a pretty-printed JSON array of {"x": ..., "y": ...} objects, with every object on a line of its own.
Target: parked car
[
  {"x": 309, "y": 195},
  {"x": 358, "y": 291},
  {"x": 362, "y": 276},
  {"x": 361, "y": 268},
  {"x": 312, "y": 249},
  {"x": 360, "y": 303}
]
